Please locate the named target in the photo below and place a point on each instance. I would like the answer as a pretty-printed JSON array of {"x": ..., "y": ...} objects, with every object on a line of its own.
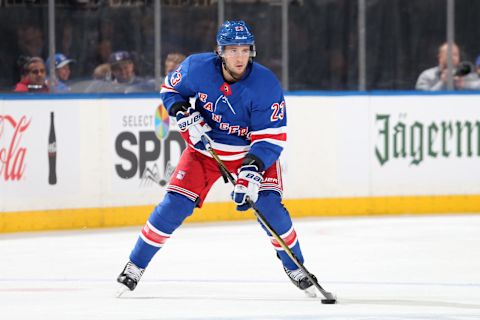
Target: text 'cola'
[{"x": 52, "y": 152}]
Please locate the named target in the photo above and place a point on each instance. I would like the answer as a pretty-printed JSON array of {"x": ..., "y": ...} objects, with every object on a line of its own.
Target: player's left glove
[
  {"x": 191, "y": 122},
  {"x": 248, "y": 185}
]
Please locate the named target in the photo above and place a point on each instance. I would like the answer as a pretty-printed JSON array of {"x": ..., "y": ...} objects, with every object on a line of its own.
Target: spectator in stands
[
  {"x": 30, "y": 40},
  {"x": 102, "y": 79},
  {"x": 102, "y": 72},
  {"x": 123, "y": 69},
  {"x": 124, "y": 78},
  {"x": 26, "y": 41},
  {"x": 33, "y": 76},
  {"x": 62, "y": 72},
  {"x": 477, "y": 66},
  {"x": 435, "y": 79},
  {"x": 476, "y": 82},
  {"x": 172, "y": 61},
  {"x": 119, "y": 75},
  {"x": 104, "y": 50}
]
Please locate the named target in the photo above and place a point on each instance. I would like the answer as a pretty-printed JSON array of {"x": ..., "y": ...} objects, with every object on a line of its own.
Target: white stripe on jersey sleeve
[{"x": 272, "y": 131}]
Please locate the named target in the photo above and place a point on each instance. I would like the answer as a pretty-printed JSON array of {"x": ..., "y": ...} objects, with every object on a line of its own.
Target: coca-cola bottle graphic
[{"x": 52, "y": 152}]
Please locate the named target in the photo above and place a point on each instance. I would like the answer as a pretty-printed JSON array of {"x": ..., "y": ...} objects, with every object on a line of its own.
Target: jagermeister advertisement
[{"x": 425, "y": 144}]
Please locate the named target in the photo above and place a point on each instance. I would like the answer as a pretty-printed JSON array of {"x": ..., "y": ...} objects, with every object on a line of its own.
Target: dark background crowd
[{"x": 104, "y": 39}]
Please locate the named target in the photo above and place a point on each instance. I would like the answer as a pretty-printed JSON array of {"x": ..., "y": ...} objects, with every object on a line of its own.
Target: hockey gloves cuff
[
  {"x": 248, "y": 185},
  {"x": 191, "y": 122}
]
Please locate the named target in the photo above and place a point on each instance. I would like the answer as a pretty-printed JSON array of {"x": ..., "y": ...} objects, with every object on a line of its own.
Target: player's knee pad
[
  {"x": 169, "y": 214},
  {"x": 269, "y": 203}
]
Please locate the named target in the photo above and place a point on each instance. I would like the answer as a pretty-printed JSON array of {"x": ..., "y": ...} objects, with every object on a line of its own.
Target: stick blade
[
  {"x": 330, "y": 298},
  {"x": 329, "y": 301}
]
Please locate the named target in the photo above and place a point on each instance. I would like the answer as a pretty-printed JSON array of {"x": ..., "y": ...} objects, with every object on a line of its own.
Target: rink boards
[{"x": 347, "y": 154}]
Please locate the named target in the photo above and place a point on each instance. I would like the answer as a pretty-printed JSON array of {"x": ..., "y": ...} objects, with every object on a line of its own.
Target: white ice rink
[{"x": 380, "y": 268}]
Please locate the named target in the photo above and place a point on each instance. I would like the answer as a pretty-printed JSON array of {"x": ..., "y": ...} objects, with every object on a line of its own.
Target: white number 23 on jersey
[{"x": 278, "y": 111}]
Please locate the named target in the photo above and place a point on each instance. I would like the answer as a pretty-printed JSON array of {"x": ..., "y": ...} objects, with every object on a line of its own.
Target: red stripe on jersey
[
  {"x": 167, "y": 87},
  {"x": 289, "y": 239},
  {"x": 153, "y": 236},
  {"x": 228, "y": 153},
  {"x": 279, "y": 136}
]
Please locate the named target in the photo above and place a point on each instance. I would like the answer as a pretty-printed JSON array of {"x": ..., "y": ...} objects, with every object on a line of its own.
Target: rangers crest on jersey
[{"x": 176, "y": 77}]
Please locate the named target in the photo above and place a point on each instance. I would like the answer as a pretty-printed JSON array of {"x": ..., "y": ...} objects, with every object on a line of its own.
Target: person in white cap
[{"x": 62, "y": 72}]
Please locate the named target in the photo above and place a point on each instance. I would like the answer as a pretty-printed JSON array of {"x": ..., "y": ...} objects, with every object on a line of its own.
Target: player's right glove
[
  {"x": 191, "y": 122},
  {"x": 248, "y": 185}
]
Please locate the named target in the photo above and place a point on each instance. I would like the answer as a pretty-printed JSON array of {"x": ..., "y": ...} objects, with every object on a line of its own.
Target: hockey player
[{"x": 241, "y": 109}]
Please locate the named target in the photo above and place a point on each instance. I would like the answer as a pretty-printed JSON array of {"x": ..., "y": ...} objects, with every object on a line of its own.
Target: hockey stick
[{"x": 329, "y": 297}]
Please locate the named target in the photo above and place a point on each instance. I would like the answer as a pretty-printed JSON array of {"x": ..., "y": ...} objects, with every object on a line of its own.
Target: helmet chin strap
[{"x": 229, "y": 71}]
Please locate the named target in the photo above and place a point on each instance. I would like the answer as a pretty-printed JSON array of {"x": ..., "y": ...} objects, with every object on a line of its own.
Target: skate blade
[
  {"x": 310, "y": 292},
  {"x": 121, "y": 290}
]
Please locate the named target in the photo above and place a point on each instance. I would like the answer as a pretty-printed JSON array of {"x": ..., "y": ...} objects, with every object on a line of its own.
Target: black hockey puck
[{"x": 329, "y": 301}]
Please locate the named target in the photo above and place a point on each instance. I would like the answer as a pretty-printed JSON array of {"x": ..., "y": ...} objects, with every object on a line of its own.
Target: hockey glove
[
  {"x": 191, "y": 122},
  {"x": 248, "y": 185}
]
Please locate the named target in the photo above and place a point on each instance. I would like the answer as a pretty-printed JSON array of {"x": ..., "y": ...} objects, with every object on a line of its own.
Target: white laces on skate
[
  {"x": 132, "y": 271},
  {"x": 296, "y": 275}
]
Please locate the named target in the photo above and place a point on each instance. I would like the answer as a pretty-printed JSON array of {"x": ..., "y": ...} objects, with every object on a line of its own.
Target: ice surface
[{"x": 389, "y": 268}]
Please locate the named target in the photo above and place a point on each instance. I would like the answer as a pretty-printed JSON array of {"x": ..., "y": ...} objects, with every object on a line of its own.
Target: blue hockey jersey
[{"x": 247, "y": 116}]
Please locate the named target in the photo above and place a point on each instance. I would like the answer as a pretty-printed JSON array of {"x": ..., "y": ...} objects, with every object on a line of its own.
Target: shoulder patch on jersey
[{"x": 176, "y": 77}]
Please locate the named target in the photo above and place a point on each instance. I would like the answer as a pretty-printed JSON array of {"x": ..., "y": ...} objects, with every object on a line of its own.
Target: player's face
[{"x": 236, "y": 58}]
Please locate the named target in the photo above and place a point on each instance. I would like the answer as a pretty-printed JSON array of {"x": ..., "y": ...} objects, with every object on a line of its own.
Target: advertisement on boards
[
  {"x": 425, "y": 145},
  {"x": 146, "y": 146},
  {"x": 39, "y": 151}
]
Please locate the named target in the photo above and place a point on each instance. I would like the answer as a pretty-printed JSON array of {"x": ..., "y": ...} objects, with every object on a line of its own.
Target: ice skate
[
  {"x": 301, "y": 281},
  {"x": 129, "y": 278}
]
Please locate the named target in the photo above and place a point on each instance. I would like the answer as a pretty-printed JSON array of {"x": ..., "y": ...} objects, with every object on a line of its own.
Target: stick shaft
[{"x": 265, "y": 223}]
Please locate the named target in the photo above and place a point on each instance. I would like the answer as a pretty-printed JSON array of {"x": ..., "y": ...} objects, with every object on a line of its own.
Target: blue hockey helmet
[{"x": 235, "y": 33}]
